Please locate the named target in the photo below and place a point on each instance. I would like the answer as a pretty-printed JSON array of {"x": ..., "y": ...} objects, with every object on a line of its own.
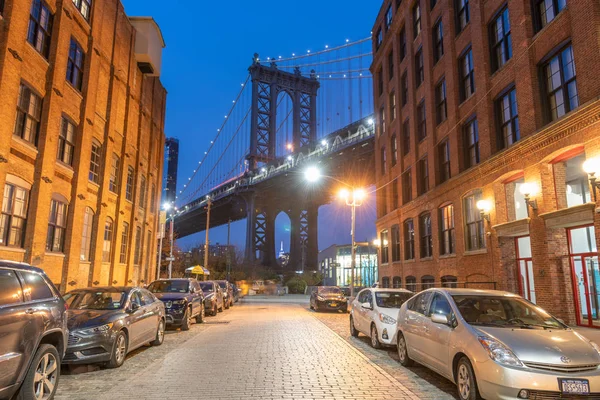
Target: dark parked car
[
  {"x": 227, "y": 293},
  {"x": 183, "y": 300},
  {"x": 236, "y": 292},
  {"x": 33, "y": 332},
  {"x": 213, "y": 297},
  {"x": 106, "y": 323},
  {"x": 328, "y": 298}
]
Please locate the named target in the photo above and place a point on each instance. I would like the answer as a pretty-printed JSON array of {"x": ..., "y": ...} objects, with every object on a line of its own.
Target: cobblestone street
[{"x": 259, "y": 351}]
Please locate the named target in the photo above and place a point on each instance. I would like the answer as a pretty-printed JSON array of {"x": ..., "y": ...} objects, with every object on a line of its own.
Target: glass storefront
[
  {"x": 583, "y": 253},
  {"x": 525, "y": 268}
]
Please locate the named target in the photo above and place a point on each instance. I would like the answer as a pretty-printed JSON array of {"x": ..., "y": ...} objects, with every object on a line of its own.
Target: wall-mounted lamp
[
  {"x": 484, "y": 207},
  {"x": 592, "y": 168},
  {"x": 529, "y": 190}
]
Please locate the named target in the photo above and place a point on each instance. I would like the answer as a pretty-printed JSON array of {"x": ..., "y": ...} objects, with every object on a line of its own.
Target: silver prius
[{"x": 496, "y": 345}]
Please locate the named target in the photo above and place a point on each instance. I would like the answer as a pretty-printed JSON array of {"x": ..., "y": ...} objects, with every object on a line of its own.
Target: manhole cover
[{"x": 217, "y": 322}]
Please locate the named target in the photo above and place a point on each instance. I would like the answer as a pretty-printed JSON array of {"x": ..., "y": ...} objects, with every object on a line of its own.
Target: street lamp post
[{"x": 209, "y": 204}]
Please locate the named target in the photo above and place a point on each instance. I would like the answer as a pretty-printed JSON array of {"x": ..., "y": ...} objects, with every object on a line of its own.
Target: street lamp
[
  {"x": 592, "y": 168},
  {"x": 353, "y": 199},
  {"x": 484, "y": 207},
  {"x": 167, "y": 207},
  {"x": 528, "y": 190}
]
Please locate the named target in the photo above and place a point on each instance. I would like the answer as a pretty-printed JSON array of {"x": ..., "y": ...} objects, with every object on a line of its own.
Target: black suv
[
  {"x": 33, "y": 332},
  {"x": 183, "y": 300}
]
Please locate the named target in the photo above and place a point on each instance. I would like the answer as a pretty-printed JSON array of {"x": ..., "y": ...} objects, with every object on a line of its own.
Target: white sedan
[{"x": 375, "y": 313}]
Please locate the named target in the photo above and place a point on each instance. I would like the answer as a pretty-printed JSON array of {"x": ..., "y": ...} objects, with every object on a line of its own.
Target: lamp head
[
  {"x": 344, "y": 194},
  {"x": 484, "y": 206},
  {"x": 528, "y": 189},
  {"x": 312, "y": 174},
  {"x": 592, "y": 166}
]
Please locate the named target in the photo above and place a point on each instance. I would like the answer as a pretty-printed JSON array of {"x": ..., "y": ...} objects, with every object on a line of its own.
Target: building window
[
  {"x": 432, "y": 4},
  {"x": 561, "y": 84},
  {"x": 84, "y": 7},
  {"x": 384, "y": 247},
  {"x": 143, "y": 192},
  {"x": 449, "y": 281},
  {"x": 419, "y": 68},
  {"x": 1, "y": 7},
  {"x": 508, "y": 119},
  {"x": 124, "y": 243},
  {"x": 94, "y": 174},
  {"x": 113, "y": 183},
  {"x": 66, "y": 142},
  {"x": 395, "y": 194},
  {"x": 409, "y": 240},
  {"x": 129, "y": 184},
  {"x": 474, "y": 231},
  {"x": 441, "y": 109},
  {"x": 546, "y": 10},
  {"x": 416, "y": 14},
  {"x": 394, "y": 148},
  {"x": 427, "y": 282},
  {"x": 444, "y": 160},
  {"x": 411, "y": 283},
  {"x": 438, "y": 41},
  {"x": 29, "y": 114},
  {"x": 396, "y": 256},
  {"x": 379, "y": 39},
  {"x": 515, "y": 201},
  {"x": 40, "y": 27},
  {"x": 138, "y": 244},
  {"x": 422, "y": 176},
  {"x": 467, "y": 75},
  {"x": 406, "y": 186},
  {"x": 108, "y": 238},
  {"x": 405, "y": 138},
  {"x": 404, "y": 88},
  {"x": 392, "y": 106},
  {"x": 572, "y": 184},
  {"x": 397, "y": 282},
  {"x": 57, "y": 225},
  {"x": 447, "y": 239},
  {"x": 385, "y": 282},
  {"x": 462, "y": 14},
  {"x": 421, "y": 121},
  {"x": 75, "y": 65},
  {"x": 86, "y": 234},
  {"x": 471, "y": 134},
  {"x": 389, "y": 16},
  {"x": 501, "y": 43},
  {"x": 153, "y": 199},
  {"x": 426, "y": 236},
  {"x": 402, "y": 44},
  {"x": 14, "y": 215},
  {"x": 391, "y": 65},
  {"x": 383, "y": 161},
  {"x": 381, "y": 120},
  {"x": 380, "y": 81},
  {"x": 382, "y": 202}
]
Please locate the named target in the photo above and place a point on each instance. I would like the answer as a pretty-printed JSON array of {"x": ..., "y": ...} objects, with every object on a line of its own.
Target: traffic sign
[{"x": 170, "y": 259}]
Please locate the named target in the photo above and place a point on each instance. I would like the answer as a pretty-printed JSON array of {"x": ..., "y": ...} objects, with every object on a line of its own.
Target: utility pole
[
  {"x": 209, "y": 204},
  {"x": 228, "y": 249},
  {"x": 353, "y": 250},
  {"x": 162, "y": 221},
  {"x": 171, "y": 249}
]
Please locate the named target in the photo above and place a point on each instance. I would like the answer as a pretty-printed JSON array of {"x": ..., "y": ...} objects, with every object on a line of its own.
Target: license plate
[
  {"x": 333, "y": 304},
  {"x": 574, "y": 386}
]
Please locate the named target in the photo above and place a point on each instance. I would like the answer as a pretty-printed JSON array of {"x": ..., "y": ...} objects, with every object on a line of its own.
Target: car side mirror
[
  {"x": 439, "y": 319},
  {"x": 134, "y": 307},
  {"x": 366, "y": 305}
]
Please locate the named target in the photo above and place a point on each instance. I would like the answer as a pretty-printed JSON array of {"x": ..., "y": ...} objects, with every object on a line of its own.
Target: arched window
[
  {"x": 385, "y": 282},
  {"x": 108, "y": 238},
  {"x": 427, "y": 282},
  {"x": 86, "y": 234},
  {"x": 397, "y": 282},
  {"x": 13, "y": 216},
  {"x": 449, "y": 281},
  {"x": 411, "y": 283}
]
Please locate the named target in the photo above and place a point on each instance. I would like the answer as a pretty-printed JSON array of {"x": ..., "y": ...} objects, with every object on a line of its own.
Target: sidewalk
[{"x": 287, "y": 299}]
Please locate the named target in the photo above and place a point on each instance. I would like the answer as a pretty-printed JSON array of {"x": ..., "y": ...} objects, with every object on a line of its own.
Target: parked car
[
  {"x": 213, "y": 297},
  {"x": 227, "y": 293},
  {"x": 183, "y": 298},
  {"x": 328, "y": 298},
  {"x": 496, "y": 345},
  {"x": 375, "y": 313},
  {"x": 33, "y": 332},
  {"x": 106, "y": 323},
  {"x": 236, "y": 292}
]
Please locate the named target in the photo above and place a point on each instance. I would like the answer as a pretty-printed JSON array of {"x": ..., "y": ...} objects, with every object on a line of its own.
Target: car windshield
[
  {"x": 207, "y": 287},
  {"x": 330, "y": 290},
  {"x": 100, "y": 300},
  {"x": 391, "y": 299},
  {"x": 169, "y": 287},
  {"x": 223, "y": 285},
  {"x": 505, "y": 312}
]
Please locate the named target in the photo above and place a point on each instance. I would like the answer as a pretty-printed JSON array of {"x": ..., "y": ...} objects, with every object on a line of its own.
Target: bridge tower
[{"x": 267, "y": 83}]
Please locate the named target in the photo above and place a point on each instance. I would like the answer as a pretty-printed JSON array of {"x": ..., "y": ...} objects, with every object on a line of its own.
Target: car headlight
[
  {"x": 386, "y": 319},
  {"x": 595, "y": 346},
  {"x": 320, "y": 298},
  {"x": 178, "y": 302},
  {"x": 96, "y": 329},
  {"x": 499, "y": 352}
]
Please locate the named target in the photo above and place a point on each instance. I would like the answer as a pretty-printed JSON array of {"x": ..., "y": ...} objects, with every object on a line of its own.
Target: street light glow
[
  {"x": 312, "y": 174},
  {"x": 324, "y": 143},
  {"x": 344, "y": 194},
  {"x": 484, "y": 206},
  {"x": 370, "y": 121},
  {"x": 528, "y": 189},
  {"x": 359, "y": 194},
  {"x": 166, "y": 206},
  {"x": 592, "y": 166}
]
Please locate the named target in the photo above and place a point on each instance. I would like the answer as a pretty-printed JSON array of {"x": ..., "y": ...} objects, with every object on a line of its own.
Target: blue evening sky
[{"x": 209, "y": 48}]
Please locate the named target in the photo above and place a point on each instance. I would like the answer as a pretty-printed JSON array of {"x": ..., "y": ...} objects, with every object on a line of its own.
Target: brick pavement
[{"x": 254, "y": 351}]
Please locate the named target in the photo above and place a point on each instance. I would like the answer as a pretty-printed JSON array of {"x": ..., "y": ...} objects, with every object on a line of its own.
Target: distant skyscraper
[{"x": 170, "y": 178}]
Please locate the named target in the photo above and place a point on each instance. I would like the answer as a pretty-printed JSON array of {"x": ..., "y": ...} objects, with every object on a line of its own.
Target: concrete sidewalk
[{"x": 287, "y": 299}]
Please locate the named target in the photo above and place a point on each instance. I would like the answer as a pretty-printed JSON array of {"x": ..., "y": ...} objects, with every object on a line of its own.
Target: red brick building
[
  {"x": 480, "y": 103},
  {"x": 82, "y": 126}
]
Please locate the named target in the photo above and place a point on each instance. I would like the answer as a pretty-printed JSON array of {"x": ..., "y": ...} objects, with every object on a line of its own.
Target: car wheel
[
  {"x": 201, "y": 315},
  {"x": 215, "y": 311},
  {"x": 42, "y": 377},
  {"x": 119, "y": 351},
  {"x": 345, "y": 310},
  {"x": 187, "y": 320},
  {"x": 311, "y": 306},
  {"x": 353, "y": 331},
  {"x": 160, "y": 334},
  {"x": 227, "y": 305},
  {"x": 375, "y": 337},
  {"x": 465, "y": 380},
  {"x": 403, "y": 357}
]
